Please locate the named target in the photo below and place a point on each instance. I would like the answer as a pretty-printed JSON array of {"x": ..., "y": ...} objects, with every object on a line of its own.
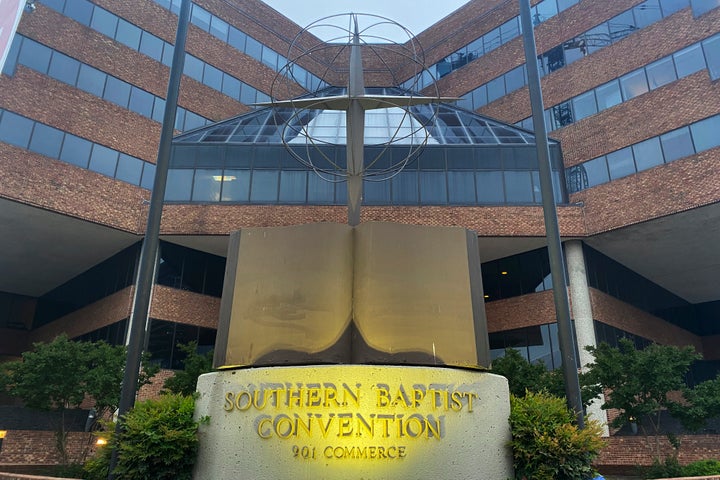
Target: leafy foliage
[
  {"x": 523, "y": 376},
  {"x": 60, "y": 374},
  {"x": 701, "y": 404},
  {"x": 184, "y": 381},
  {"x": 546, "y": 444},
  {"x": 671, "y": 468},
  {"x": 640, "y": 380},
  {"x": 158, "y": 442}
]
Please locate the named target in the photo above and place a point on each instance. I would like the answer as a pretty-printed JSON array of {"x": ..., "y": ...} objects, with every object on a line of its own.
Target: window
[
  {"x": 75, "y": 150},
  {"x": 671, "y": 6},
  {"x": 647, "y": 13},
  {"x": 236, "y": 186},
  {"x": 405, "y": 188},
  {"x": 103, "y": 160},
  {"x": 206, "y": 187},
  {"x": 584, "y": 105},
  {"x": 212, "y": 77},
  {"x": 461, "y": 188},
  {"x": 148, "y": 176},
  {"x": 495, "y": 89},
  {"x": 141, "y": 102},
  {"x": 515, "y": 79},
  {"x": 489, "y": 187},
  {"x": 46, "y": 140},
  {"x": 621, "y": 26},
  {"x": 597, "y": 171},
  {"x": 64, "y": 68},
  {"x": 293, "y": 186},
  {"x": 219, "y": 28},
  {"x": 79, "y": 10},
  {"x": 151, "y": 46},
  {"x": 117, "y": 91},
  {"x": 253, "y": 48},
  {"x": 648, "y": 154},
  {"x": 200, "y": 18},
  {"x": 264, "y": 187},
  {"x": 703, "y": 6},
  {"x": 705, "y": 133},
  {"x": 677, "y": 144},
  {"x": 231, "y": 87},
  {"x": 518, "y": 187},
  {"x": 712, "y": 53},
  {"x": 179, "y": 185},
  {"x": 689, "y": 60},
  {"x": 35, "y": 55},
  {"x": 621, "y": 163},
  {"x": 129, "y": 169},
  {"x": 91, "y": 80},
  {"x": 104, "y": 22},
  {"x": 433, "y": 188},
  {"x": 15, "y": 129},
  {"x": 128, "y": 34},
  {"x": 320, "y": 191},
  {"x": 633, "y": 84},
  {"x": 661, "y": 73},
  {"x": 193, "y": 68}
]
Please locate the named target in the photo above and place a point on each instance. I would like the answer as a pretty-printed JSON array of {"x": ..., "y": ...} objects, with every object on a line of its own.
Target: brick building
[{"x": 631, "y": 93}]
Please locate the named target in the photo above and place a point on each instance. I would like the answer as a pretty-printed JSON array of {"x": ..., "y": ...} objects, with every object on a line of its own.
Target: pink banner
[{"x": 10, "y": 12}]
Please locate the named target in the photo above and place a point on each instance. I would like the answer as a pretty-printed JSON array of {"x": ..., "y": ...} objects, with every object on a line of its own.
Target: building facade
[{"x": 631, "y": 94}]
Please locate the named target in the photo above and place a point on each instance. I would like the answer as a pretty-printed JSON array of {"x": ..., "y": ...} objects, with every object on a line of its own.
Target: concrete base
[{"x": 353, "y": 422}]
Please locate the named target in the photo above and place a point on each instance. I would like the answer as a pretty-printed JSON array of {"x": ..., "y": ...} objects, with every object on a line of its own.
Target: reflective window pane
[
  {"x": 64, "y": 68},
  {"x": 608, "y": 95},
  {"x": 141, "y": 102},
  {"x": 596, "y": 171},
  {"x": 79, "y": 10},
  {"x": 128, "y": 34},
  {"x": 200, "y": 18},
  {"x": 206, "y": 185},
  {"x": 46, "y": 140},
  {"x": 193, "y": 68},
  {"x": 35, "y": 55},
  {"x": 633, "y": 84},
  {"x": 703, "y": 6},
  {"x": 376, "y": 193},
  {"x": 621, "y": 26},
  {"x": 621, "y": 163},
  {"x": 495, "y": 89},
  {"x": 689, "y": 60},
  {"x": 518, "y": 187},
  {"x": 219, "y": 28},
  {"x": 231, "y": 87},
  {"x": 489, "y": 187},
  {"x": 677, "y": 144},
  {"x": 433, "y": 188},
  {"x": 705, "y": 133},
  {"x": 75, "y": 150},
  {"x": 293, "y": 186},
  {"x": 117, "y": 91},
  {"x": 151, "y": 46},
  {"x": 712, "y": 54},
  {"x": 91, "y": 80},
  {"x": 179, "y": 184},
  {"x": 320, "y": 191},
  {"x": 212, "y": 77},
  {"x": 15, "y": 129},
  {"x": 515, "y": 79},
  {"x": 648, "y": 154},
  {"x": 253, "y": 48},
  {"x": 405, "y": 188},
  {"x": 104, "y": 22},
  {"x": 103, "y": 160},
  {"x": 264, "y": 186},
  {"x": 660, "y": 73},
  {"x": 647, "y": 13},
  {"x": 584, "y": 105},
  {"x": 461, "y": 188},
  {"x": 148, "y": 176},
  {"x": 129, "y": 169},
  {"x": 236, "y": 186},
  {"x": 671, "y": 6}
]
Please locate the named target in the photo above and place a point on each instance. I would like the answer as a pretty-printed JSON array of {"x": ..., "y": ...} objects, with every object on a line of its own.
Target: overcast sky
[{"x": 415, "y": 15}]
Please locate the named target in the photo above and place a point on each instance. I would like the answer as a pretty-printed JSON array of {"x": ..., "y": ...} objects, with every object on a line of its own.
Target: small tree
[
  {"x": 700, "y": 404},
  {"x": 59, "y": 375},
  {"x": 184, "y": 381}
]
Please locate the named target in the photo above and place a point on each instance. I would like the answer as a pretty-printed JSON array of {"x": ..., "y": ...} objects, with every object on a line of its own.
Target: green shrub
[
  {"x": 702, "y": 468},
  {"x": 546, "y": 444},
  {"x": 159, "y": 442}
]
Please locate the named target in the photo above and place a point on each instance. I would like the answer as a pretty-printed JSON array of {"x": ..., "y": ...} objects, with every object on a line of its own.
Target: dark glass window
[
  {"x": 518, "y": 187},
  {"x": 433, "y": 188},
  {"x": 64, "y": 68},
  {"x": 489, "y": 187},
  {"x": 193, "y": 68},
  {"x": 159, "y": 110},
  {"x": 253, "y": 48},
  {"x": 671, "y": 6},
  {"x": 128, "y": 34},
  {"x": 231, "y": 87},
  {"x": 712, "y": 54},
  {"x": 293, "y": 186},
  {"x": 79, "y": 10},
  {"x": 544, "y": 10},
  {"x": 689, "y": 60},
  {"x": 236, "y": 186},
  {"x": 35, "y": 55},
  {"x": 91, "y": 80},
  {"x": 677, "y": 144},
  {"x": 597, "y": 38},
  {"x": 461, "y": 188},
  {"x": 647, "y": 13},
  {"x": 553, "y": 59},
  {"x": 648, "y": 154},
  {"x": 495, "y": 89},
  {"x": 705, "y": 133},
  {"x": 633, "y": 84},
  {"x": 212, "y": 77},
  {"x": 76, "y": 150},
  {"x": 621, "y": 26},
  {"x": 597, "y": 171},
  {"x": 206, "y": 186},
  {"x": 104, "y": 22},
  {"x": 621, "y": 163},
  {"x": 405, "y": 188},
  {"x": 167, "y": 55},
  {"x": 515, "y": 78},
  {"x": 179, "y": 185},
  {"x": 151, "y": 46},
  {"x": 320, "y": 191},
  {"x": 129, "y": 169},
  {"x": 661, "y": 73},
  {"x": 148, "y": 176},
  {"x": 103, "y": 160},
  {"x": 608, "y": 95},
  {"x": 219, "y": 28},
  {"x": 703, "y": 6},
  {"x": 584, "y": 105},
  {"x": 264, "y": 186},
  {"x": 117, "y": 91},
  {"x": 200, "y": 18},
  {"x": 479, "y": 96},
  {"x": 247, "y": 95},
  {"x": 561, "y": 115},
  {"x": 141, "y": 102},
  {"x": 15, "y": 129},
  {"x": 269, "y": 58},
  {"x": 46, "y": 140},
  {"x": 511, "y": 28}
]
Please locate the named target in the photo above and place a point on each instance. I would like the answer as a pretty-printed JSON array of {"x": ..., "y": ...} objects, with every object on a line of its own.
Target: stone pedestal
[{"x": 353, "y": 422}]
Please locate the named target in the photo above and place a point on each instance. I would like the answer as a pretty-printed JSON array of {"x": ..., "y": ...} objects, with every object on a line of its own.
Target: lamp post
[
  {"x": 148, "y": 253},
  {"x": 552, "y": 230}
]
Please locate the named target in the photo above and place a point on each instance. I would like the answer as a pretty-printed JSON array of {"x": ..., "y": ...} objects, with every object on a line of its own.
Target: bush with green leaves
[
  {"x": 546, "y": 444},
  {"x": 158, "y": 442},
  {"x": 184, "y": 381}
]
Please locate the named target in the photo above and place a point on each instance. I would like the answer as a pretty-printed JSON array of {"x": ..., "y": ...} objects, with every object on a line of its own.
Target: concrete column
[{"x": 581, "y": 309}]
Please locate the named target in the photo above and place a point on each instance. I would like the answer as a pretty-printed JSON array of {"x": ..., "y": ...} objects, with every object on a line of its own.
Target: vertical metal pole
[
  {"x": 148, "y": 254},
  {"x": 552, "y": 231}
]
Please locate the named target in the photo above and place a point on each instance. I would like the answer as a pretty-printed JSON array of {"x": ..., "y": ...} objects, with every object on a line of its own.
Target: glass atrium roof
[{"x": 270, "y": 125}]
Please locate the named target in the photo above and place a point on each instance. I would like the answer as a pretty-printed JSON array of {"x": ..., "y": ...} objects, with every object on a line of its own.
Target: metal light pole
[
  {"x": 148, "y": 254},
  {"x": 552, "y": 230}
]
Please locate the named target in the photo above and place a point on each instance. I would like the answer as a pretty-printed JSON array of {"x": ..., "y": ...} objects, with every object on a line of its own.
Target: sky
[{"x": 415, "y": 15}]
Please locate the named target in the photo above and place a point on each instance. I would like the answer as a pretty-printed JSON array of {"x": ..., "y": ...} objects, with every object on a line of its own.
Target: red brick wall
[
  {"x": 518, "y": 312},
  {"x": 631, "y": 451},
  {"x": 31, "y": 447},
  {"x": 181, "y": 306}
]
